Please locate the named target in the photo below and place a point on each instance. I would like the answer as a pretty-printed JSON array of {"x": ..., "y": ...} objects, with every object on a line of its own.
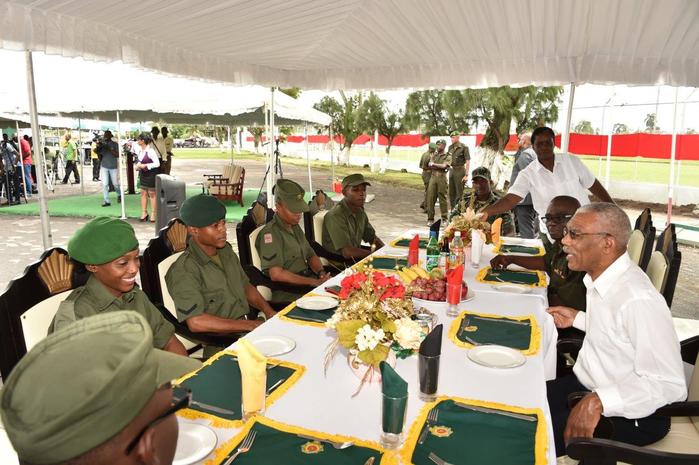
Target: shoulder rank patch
[
  {"x": 268, "y": 238},
  {"x": 271, "y": 257},
  {"x": 187, "y": 312}
]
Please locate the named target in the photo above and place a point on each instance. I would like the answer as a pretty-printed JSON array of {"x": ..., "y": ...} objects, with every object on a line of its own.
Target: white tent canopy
[{"x": 354, "y": 44}]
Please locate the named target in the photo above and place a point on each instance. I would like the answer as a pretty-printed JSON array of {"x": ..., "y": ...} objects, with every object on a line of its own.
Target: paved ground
[{"x": 394, "y": 211}]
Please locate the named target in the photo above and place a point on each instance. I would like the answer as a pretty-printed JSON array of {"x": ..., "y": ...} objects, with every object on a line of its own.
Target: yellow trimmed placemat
[
  {"x": 530, "y": 250},
  {"x": 320, "y": 314},
  {"x": 528, "y": 278},
  {"x": 279, "y": 443},
  {"x": 217, "y": 383},
  {"x": 462, "y": 435},
  {"x": 486, "y": 331}
]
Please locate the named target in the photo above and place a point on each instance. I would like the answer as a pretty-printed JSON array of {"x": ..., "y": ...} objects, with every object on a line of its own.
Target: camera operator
[
  {"x": 108, "y": 153},
  {"x": 9, "y": 160},
  {"x": 95, "y": 158}
]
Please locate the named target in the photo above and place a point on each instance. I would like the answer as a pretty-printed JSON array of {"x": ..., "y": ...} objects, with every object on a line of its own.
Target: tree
[
  {"x": 651, "y": 123},
  {"x": 375, "y": 116},
  {"x": 620, "y": 128},
  {"x": 436, "y": 112},
  {"x": 257, "y": 132},
  {"x": 344, "y": 117},
  {"x": 584, "y": 127},
  {"x": 539, "y": 107},
  {"x": 690, "y": 131},
  {"x": 293, "y": 92}
]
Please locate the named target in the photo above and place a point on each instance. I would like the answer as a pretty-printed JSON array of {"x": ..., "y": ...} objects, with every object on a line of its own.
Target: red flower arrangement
[{"x": 386, "y": 287}]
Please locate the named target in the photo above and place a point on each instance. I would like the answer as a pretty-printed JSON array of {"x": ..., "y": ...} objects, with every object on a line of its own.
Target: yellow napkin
[
  {"x": 253, "y": 371},
  {"x": 495, "y": 231}
]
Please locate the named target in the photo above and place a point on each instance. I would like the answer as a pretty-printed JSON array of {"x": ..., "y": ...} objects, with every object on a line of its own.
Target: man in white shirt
[
  {"x": 549, "y": 176},
  {"x": 630, "y": 359}
]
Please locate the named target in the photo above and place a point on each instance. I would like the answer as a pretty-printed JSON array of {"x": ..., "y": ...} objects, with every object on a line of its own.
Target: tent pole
[
  {"x": 308, "y": 157},
  {"x": 230, "y": 143},
  {"x": 36, "y": 129},
  {"x": 673, "y": 156},
  {"x": 565, "y": 141},
  {"x": 274, "y": 160},
  {"x": 609, "y": 143},
  {"x": 268, "y": 147},
  {"x": 332, "y": 160},
  {"x": 80, "y": 158},
  {"x": 21, "y": 161},
  {"x": 120, "y": 165}
]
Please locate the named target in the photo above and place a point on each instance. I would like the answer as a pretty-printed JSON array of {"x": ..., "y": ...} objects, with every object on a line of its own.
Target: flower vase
[{"x": 360, "y": 368}]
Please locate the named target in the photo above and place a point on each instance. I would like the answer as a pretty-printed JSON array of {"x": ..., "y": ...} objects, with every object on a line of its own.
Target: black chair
[
  {"x": 331, "y": 261},
  {"x": 644, "y": 224},
  {"x": 682, "y": 431},
  {"x": 667, "y": 245},
  {"x": 30, "y": 301}
]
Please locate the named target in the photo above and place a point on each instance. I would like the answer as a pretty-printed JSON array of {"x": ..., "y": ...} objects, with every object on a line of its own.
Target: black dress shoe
[
  {"x": 106, "y": 204},
  {"x": 118, "y": 199}
]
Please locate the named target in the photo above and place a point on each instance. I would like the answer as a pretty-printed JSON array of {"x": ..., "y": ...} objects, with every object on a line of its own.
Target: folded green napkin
[
  {"x": 463, "y": 436},
  {"x": 388, "y": 263},
  {"x": 395, "y": 399},
  {"x": 405, "y": 242},
  {"x": 510, "y": 276},
  {"x": 219, "y": 385},
  {"x": 273, "y": 446},
  {"x": 514, "y": 248},
  {"x": 493, "y": 330},
  {"x": 320, "y": 316}
]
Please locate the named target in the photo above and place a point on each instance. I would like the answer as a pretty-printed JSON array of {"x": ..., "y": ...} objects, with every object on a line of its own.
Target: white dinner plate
[
  {"x": 194, "y": 442},
  {"x": 469, "y": 296},
  {"x": 512, "y": 288},
  {"x": 271, "y": 346},
  {"x": 317, "y": 302},
  {"x": 493, "y": 356}
]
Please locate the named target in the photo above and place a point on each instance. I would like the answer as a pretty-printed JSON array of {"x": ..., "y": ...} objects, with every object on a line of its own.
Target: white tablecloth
[{"x": 324, "y": 403}]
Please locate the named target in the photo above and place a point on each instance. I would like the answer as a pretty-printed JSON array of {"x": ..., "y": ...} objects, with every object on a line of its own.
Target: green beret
[
  {"x": 290, "y": 194},
  {"x": 455, "y": 133},
  {"x": 432, "y": 145},
  {"x": 82, "y": 385},
  {"x": 442, "y": 142},
  {"x": 355, "y": 179},
  {"x": 202, "y": 210},
  {"x": 481, "y": 172},
  {"x": 102, "y": 240}
]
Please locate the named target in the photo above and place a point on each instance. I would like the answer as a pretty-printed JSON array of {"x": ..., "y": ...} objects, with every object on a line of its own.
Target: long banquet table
[{"x": 324, "y": 402}]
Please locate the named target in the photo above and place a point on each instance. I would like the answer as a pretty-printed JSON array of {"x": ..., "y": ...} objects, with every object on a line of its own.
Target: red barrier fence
[{"x": 623, "y": 145}]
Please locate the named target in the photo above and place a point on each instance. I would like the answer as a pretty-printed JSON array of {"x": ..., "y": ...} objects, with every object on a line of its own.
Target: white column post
[
  {"x": 332, "y": 160},
  {"x": 308, "y": 157},
  {"x": 230, "y": 142},
  {"x": 120, "y": 167},
  {"x": 673, "y": 155},
  {"x": 36, "y": 129},
  {"x": 565, "y": 140},
  {"x": 81, "y": 158}
]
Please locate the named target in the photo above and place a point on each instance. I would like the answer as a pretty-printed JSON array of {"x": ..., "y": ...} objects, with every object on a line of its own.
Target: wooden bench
[{"x": 228, "y": 185}]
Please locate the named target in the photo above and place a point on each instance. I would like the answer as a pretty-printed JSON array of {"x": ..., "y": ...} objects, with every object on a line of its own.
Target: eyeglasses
[
  {"x": 181, "y": 399},
  {"x": 575, "y": 235},
  {"x": 556, "y": 218}
]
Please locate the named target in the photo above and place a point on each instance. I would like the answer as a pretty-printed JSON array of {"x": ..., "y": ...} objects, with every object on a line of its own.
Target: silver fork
[
  {"x": 432, "y": 456},
  {"x": 244, "y": 446},
  {"x": 336, "y": 445},
  {"x": 431, "y": 420}
]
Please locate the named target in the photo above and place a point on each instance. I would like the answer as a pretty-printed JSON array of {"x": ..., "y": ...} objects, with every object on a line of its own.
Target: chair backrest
[
  {"x": 635, "y": 246},
  {"x": 693, "y": 390},
  {"x": 318, "y": 220},
  {"x": 667, "y": 241},
  {"x": 54, "y": 273},
  {"x": 672, "y": 275},
  {"x": 644, "y": 220},
  {"x": 256, "y": 262},
  {"x": 657, "y": 270},
  {"x": 171, "y": 239},
  {"x": 163, "y": 268}
]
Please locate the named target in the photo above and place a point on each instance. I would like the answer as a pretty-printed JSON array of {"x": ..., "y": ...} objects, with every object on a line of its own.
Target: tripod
[{"x": 279, "y": 173}]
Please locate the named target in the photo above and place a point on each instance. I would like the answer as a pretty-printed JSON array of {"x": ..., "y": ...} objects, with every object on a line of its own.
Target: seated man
[
  {"x": 630, "y": 358},
  {"x": 285, "y": 254},
  {"x": 95, "y": 392},
  {"x": 108, "y": 249},
  {"x": 209, "y": 287},
  {"x": 565, "y": 286},
  {"x": 480, "y": 197},
  {"x": 346, "y": 225}
]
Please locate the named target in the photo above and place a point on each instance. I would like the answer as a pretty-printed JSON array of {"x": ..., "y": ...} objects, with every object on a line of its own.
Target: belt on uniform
[
  {"x": 458, "y": 166},
  {"x": 426, "y": 171},
  {"x": 438, "y": 173}
]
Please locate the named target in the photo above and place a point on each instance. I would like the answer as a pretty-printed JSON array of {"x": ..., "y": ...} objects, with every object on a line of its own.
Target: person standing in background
[
  {"x": 460, "y": 161},
  {"x": 95, "y": 160},
  {"x": 158, "y": 144},
  {"x": 525, "y": 215},
  {"x": 169, "y": 143},
  {"x": 426, "y": 171},
  {"x": 70, "y": 153}
]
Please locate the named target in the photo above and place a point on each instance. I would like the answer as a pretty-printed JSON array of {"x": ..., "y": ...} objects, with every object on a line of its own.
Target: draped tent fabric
[{"x": 360, "y": 44}]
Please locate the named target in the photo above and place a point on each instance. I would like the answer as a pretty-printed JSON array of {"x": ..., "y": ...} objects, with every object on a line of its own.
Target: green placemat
[
  {"x": 387, "y": 263},
  {"x": 474, "y": 329},
  {"x": 463, "y": 436},
  {"x": 314, "y": 316},
  {"x": 405, "y": 242},
  {"x": 514, "y": 248},
  {"x": 510, "y": 276},
  {"x": 218, "y": 384},
  {"x": 276, "y": 443}
]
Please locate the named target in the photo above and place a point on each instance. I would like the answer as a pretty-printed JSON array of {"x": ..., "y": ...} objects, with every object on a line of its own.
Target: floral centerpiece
[
  {"x": 465, "y": 222},
  {"x": 373, "y": 318}
]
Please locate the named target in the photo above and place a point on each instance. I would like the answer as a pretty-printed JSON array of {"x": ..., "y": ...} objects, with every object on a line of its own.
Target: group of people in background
[{"x": 16, "y": 168}]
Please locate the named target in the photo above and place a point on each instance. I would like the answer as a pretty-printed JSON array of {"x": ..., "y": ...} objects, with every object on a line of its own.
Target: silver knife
[
  {"x": 468, "y": 339},
  {"x": 519, "y": 416},
  {"x": 514, "y": 322},
  {"x": 303, "y": 318},
  {"x": 212, "y": 408},
  {"x": 369, "y": 461}
]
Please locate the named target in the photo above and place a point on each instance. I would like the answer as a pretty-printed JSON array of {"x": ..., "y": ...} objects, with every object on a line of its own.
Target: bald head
[
  {"x": 565, "y": 203},
  {"x": 611, "y": 219},
  {"x": 525, "y": 140}
]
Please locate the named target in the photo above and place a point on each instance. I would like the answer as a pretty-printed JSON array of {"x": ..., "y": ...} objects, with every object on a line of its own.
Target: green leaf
[
  {"x": 347, "y": 330},
  {"x": 374, "y": 357},
  {"x": 389, "y": 326}
]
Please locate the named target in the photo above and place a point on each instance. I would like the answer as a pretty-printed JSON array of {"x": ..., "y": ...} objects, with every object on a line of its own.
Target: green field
[{"x": 641, "y": 170}]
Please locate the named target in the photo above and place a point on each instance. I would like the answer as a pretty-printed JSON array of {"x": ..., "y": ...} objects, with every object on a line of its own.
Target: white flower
[
  {"x": 367, "y": 338},
  {"x": 333, "y": 320},
  {"x": 408, "y": 333}
]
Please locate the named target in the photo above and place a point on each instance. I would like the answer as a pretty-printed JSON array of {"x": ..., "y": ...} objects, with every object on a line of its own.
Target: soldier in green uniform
[
  {"x": 346, "y": 225},
  {"x": 211, "y": 291},
  {"x": 480, "y": 197},
  {"x": 285, "y": 254},
  {"x": 565, "y": 287},
  {"x": 108, "y": 249},
  {"x": 460, "y": 161},
  {"x": 426, "y": 171},
  {"x": 96, "y": 392},
  {"x": 439, "y": 164}
]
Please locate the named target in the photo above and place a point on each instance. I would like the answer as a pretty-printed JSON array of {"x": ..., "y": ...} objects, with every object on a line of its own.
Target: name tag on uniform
[{"x": 268, "y": 238}]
